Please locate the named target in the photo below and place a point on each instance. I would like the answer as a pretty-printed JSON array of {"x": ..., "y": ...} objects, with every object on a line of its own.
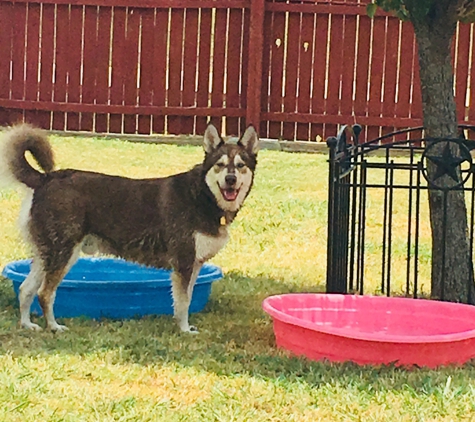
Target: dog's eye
[
  {"x": 240, "y": 165},
  {"x": 220, "y": 165}
]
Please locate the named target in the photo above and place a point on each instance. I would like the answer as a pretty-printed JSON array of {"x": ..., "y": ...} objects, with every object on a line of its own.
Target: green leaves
[
  {"x": 390, "y": 5},
  {"x": 466, "y": 12},
  {"x": 371, "y": 9},
  {"x": 397, "y": 7},
  {"x": 419, "y": 9}
]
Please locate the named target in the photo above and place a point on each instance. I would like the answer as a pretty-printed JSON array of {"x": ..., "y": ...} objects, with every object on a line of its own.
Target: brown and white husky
[{"x": 176, "y": 222}]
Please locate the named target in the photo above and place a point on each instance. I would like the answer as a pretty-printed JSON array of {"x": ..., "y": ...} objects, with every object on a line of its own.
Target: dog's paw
[
  {"x": 58, "y": 328},
  {"x": 31, "y": 326},
  {"x": 191, "y": 330}
]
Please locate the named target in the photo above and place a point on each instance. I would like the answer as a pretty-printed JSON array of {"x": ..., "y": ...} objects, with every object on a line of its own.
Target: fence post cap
[{"x": 332, "y": 142}]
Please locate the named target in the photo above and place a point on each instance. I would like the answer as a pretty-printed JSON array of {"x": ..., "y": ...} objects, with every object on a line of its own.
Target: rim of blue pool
[{"x": 104, "y": 271}]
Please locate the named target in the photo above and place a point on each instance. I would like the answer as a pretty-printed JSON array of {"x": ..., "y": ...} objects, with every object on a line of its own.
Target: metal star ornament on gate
[{"x": 447, "y": 163}]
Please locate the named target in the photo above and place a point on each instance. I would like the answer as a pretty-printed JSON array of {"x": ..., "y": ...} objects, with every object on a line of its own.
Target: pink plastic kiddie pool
[{"x": 373, "y": 329}]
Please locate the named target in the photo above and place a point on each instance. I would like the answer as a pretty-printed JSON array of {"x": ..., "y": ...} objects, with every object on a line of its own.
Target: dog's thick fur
[{"x": 176, "y": 222}]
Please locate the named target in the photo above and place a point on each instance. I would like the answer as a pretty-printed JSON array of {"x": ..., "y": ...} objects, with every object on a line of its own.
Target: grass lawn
[{"x": 145, "y": 370}]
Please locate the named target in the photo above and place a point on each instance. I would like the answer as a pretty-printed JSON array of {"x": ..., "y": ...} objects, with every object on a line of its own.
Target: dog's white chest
[{"x": 207, "y": 246}]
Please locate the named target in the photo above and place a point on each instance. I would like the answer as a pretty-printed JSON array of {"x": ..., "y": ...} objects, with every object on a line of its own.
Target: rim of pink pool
[{"x": 373, "y": 330}]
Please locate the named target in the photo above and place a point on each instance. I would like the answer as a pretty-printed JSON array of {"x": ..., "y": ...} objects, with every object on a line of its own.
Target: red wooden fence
[{"x": 295, "y": 69}]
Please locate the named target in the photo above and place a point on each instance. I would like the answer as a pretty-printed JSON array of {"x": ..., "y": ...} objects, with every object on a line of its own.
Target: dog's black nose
[{"x": 230, "y": 179}]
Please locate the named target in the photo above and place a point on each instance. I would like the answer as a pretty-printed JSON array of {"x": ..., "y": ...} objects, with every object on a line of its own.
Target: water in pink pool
[{"x": 373, "y": 329}]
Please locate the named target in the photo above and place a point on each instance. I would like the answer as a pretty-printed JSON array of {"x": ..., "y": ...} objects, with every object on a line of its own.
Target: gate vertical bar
[
  {"x": 390, "y": 228},
  {"x": 353, "y": 230},
  {"x": 444, "y": 245},
  {"x": 417, "y": 228},
  {"x": 361, "y": 229},
  {"x": 343, "y": 232},
  {"x": 332, "y": 182},
  {"x": 409, "y": 222},
  {"x": 385, "y": 222},
  {"x": 471, "y": 231}
]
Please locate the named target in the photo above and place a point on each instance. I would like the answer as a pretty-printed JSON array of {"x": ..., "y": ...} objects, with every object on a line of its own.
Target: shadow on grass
[{"x": 236, "y": 339}]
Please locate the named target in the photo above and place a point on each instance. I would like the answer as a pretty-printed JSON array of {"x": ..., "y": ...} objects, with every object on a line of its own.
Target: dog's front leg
[{"x": 183, "y": 282}]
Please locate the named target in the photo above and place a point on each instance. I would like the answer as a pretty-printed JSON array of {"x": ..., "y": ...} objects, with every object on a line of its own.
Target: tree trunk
[{"x": 452, "y": 270}]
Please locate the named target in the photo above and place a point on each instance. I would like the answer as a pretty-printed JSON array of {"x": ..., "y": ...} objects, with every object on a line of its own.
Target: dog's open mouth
[{"x": 229, "y": 194}]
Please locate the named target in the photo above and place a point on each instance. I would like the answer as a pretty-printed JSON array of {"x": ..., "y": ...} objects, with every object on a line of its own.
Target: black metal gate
[{"x": 379, "y": 238}]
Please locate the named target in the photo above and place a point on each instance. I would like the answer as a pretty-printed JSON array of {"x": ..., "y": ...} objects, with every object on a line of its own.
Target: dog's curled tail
[{"x": 14, "y": 166}]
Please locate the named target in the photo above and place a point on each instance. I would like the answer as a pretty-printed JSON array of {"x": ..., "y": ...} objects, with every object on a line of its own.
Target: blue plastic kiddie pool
[{"x": 114, "y": 288}]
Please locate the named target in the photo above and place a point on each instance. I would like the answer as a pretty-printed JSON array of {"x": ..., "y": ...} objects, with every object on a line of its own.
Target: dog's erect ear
[
  {"x": 250, "y": 140},
  {"x": 212, "y": 140}
]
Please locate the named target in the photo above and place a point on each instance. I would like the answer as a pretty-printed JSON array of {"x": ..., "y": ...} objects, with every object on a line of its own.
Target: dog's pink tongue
[{"x": 230, "y": 194}]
